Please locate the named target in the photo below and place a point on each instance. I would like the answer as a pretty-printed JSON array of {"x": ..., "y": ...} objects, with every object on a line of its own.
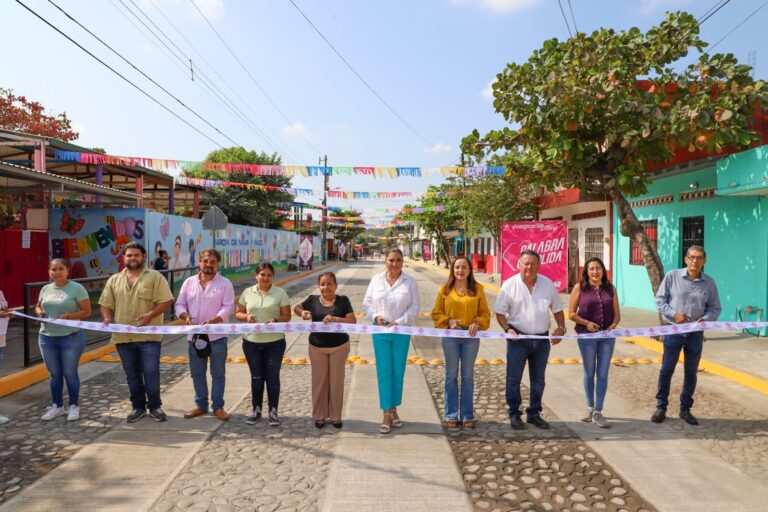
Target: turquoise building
[{"x": 719, "y": 204}]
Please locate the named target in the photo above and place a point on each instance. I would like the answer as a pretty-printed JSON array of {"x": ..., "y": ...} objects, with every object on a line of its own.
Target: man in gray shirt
[{"x": 685, "y": 295}]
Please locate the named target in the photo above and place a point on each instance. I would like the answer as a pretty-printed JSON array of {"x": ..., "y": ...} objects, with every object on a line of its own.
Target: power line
[
  {"x": 145, "y": 93},
  {"x": 206, "y": 82},
  {"x": 570, "y": 7},
  {"x": 253, "y": 79},
  {"x": 734, "y": 29},
  {"x": 360, "y": 77},
  {"x": 169, "y": 93},
  {"x": 279, "y": 142},
  {"x": 570, "y": 34},
  {"x": 712, "y": 10}
]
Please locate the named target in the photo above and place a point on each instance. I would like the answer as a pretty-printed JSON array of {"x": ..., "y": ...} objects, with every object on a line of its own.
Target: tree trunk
[{"x": 631, "y": 227}]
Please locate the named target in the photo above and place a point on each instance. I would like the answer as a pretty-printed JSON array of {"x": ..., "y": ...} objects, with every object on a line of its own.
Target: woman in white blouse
[{"x": 392, "y": 299}]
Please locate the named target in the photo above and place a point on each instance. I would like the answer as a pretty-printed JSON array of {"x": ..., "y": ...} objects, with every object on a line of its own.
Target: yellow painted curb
[
  {"x": 38, "y": 373},
  {"x": 745, "y": 379},
  {"x": 555, "y": 360},
  {"x": 497, "y": 361}
]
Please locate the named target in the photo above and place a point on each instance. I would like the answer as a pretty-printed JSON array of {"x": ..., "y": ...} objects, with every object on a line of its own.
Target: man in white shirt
[{"x": 522, "y": 307}]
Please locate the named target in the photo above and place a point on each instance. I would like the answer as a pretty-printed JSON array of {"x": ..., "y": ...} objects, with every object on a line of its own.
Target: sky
[{"x": 430, "y": 61}]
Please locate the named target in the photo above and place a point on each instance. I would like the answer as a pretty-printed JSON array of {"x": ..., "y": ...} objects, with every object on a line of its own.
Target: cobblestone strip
[
  {"x": 727, "y": 430},
  {"x": 257, "y": 467},
  {"x": 30, "y": 448},
  {"x": 532, "y": 469}
]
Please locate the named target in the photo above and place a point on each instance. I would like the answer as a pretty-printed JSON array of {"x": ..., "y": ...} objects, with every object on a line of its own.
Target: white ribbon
[{"x": 333, "y": 327}]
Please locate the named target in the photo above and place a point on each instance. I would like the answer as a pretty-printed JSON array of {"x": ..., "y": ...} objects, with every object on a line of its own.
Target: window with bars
[
  {"x": 693, "y": 234},
  {"x": 593, "y": 243},
  {"x": 651, "y": 228}
]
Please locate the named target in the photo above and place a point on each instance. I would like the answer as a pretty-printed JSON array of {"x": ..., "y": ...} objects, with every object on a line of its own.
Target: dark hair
[
  {"x": 134, "y": 245},
  {"x": 696, "y": 248},
  {"x": 163, "y": 253},
  {"x": 471, "y": 283},
  {"x": 530, "y": 252},
  {"x": 191, "y": 242},
  {"x": 58, "y": 260},
  {"x": 394, "y": 249},
  {"x": 177, "y": 239},
  {"x": 265, "y": 265},
  {"x": 158, "y": 245},
  {"x": 585, "y": 274},
  {"x": 327, "y": 274},
  {"x": 209, "y": 250}
]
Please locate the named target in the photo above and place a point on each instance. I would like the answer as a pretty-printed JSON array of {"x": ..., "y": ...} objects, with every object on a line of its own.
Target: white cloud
[
  {"x": 488, "y": 91},
  {"x": 438, "y": 148},
  {"x": 502, "y": 6},
  {"x": 296, "y": 129}
]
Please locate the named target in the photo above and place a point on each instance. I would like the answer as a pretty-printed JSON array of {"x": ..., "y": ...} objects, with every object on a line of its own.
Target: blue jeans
[
  {"x": 264, "y": 362},
  {"x": 141, "y": 363},
  {"x": 536, "y": 353},
  {"x": 2, "y": 353},
  {"x": 692, "y": 344},
  {"x": 596, "y": 354},
  {"x": 460, "y": 351},
  {"x": 391, "y": 351},
  {"x": 198, "y": 368},
  {"x": 61, "y": 355}
]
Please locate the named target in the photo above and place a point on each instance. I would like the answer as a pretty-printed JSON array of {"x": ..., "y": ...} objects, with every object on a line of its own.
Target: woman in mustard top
[{"x": 461, "y": 304}]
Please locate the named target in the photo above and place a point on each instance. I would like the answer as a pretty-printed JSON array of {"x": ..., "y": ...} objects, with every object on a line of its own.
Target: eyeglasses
[{"x": 695, "y": 258}]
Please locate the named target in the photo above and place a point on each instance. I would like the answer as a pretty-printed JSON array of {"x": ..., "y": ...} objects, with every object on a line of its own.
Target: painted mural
[
  {"x": 92, "y": 240},
  {"x": 181, "y": 237}
]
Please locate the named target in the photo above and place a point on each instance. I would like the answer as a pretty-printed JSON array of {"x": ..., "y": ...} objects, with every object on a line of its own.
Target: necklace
[{"x": 327, "y": 304}]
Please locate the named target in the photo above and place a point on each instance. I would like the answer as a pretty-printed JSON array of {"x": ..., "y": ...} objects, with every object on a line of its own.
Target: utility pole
[{"x": 323, "y": 161}]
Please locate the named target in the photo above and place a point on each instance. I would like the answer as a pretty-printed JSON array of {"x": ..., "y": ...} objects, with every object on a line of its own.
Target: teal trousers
[{"x": 391, "y": 352}]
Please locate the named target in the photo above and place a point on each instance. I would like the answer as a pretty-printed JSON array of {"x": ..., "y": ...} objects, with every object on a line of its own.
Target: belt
[{"x": 521, "y": 333}]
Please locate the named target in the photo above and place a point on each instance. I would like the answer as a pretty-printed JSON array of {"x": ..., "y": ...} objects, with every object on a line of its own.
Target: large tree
[
  {"x": 436, "y": 223},
  {"x": 346, "y": 230},
  {"x": 248, "y": 206},
  {"x": 485, "y": 208},
  {"x": 20, "y": 114},
  {"x": 592, "y": 112}
]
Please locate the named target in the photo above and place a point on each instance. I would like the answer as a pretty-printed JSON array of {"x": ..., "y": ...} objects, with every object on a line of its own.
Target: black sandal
[
  {"x": 319, "y": 423},
  {"x": 337, "y": 424}
]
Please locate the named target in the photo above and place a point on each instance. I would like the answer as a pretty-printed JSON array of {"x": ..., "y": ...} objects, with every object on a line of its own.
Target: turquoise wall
[{"x": 735, "y": 237}]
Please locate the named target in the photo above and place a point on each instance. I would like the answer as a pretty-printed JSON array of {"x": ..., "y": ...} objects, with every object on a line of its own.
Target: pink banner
[{"x": 548, "y": 238}]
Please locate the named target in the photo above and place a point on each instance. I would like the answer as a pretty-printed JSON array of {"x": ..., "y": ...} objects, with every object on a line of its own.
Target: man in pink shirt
[{"x": 207, "y": 298}]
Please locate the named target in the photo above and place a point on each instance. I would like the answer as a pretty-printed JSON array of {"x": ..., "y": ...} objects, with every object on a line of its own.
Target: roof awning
[{"x": 19, "y": 176}]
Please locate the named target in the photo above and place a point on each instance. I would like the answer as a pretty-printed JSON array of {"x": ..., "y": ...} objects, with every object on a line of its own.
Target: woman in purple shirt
[{"x": 595, "y": 307}]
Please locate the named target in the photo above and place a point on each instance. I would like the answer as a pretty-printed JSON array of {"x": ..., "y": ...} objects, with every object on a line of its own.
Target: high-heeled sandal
[
  {"x": 396, "y": 421},
  {"x": 384, "y": 428}
]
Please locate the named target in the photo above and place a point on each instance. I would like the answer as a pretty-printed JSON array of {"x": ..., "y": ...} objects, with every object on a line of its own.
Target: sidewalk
[{"x": 676, "y": 467}]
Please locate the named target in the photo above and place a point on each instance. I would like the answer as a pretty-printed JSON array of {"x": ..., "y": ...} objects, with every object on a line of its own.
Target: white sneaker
[
  {"x": 74, "y": 413},
  {"x": 4, "y": 420},
  {"x": 588, "y": 415},
  {"x": 53, "y": 412},
  {"x": 600, "y": 420}
]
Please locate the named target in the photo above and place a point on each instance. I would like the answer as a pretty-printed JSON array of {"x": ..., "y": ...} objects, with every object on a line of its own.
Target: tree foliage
[
  {"x": 593, "y": 111},
  {"x": 348, "y": 231},
  {"x": 248, "y": 206},
  {"x": 449, "y": 196},
  {"x": 17, "y": 113}
]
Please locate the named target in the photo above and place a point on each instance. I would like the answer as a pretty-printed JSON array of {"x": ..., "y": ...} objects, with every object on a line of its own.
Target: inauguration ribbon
[{"x": 333, "y": 327}]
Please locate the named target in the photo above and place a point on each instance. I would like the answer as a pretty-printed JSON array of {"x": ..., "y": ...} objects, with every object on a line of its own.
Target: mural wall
[{"x": 91, "y": 240}]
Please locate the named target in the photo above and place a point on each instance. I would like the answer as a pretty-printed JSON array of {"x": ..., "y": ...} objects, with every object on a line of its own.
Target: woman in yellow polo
[
  {"x": 461, "y": 305},
  {"x": 264, "y": 303}
]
